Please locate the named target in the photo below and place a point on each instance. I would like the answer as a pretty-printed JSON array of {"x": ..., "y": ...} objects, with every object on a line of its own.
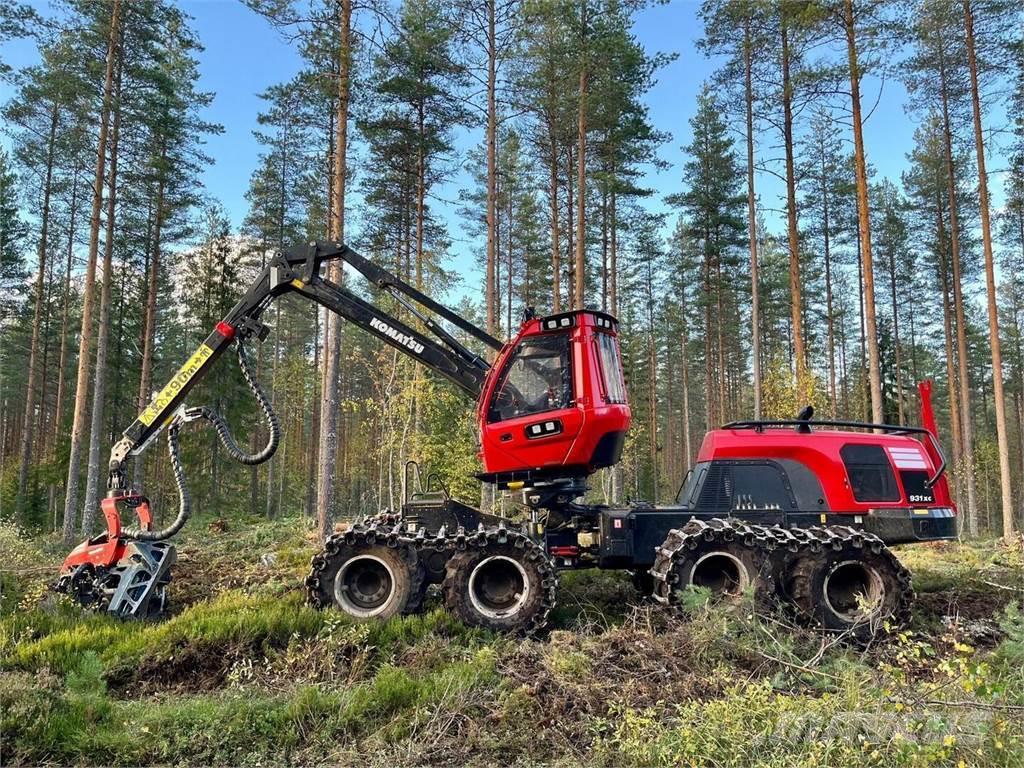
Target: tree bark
[
  {"x": 149, "y": 323},
  {"x": 864, "y": 218},
  {"x": 947, "y": 327},
  {"x": 332, "y": 331},
  {"x": 967, "y": 429},
  {"x": 829, "y": 312},
  {"x": 1006, "y": 491},
  {"x": 58, "y": 418},
  {"x": 795, "y": 288},
  {"x": 85, "y": 337},
  {"x": 896, "y": 335},
  {"x": 755, "y": 287},
  {"x": 581, "y": 165},
  {"x": 491, "y": 287},
  {"x": 103, "y": 338},
  {"x": 30, "y": 387},
  {"x": 556, "y": 253}
]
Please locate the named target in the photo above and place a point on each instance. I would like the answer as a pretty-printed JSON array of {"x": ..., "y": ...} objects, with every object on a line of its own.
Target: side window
[
  {"x": 870, "y": 473},
  {"x": 689, "y": 483},
  {"x": 611, "y": 369},
  {"x": 537, "y": 378}
]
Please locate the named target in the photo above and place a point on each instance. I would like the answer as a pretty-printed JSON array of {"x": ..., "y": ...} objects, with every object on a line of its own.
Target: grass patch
[{"x": 45, "y": 721}]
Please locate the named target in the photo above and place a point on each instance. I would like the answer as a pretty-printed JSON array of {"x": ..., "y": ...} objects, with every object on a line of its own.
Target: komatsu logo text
[{"x": 398, "y": 337}]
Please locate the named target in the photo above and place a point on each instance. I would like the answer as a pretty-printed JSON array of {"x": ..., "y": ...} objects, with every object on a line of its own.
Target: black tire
[
  {"x": 506, "y": 587},
  {"x": 716, "y": 556},
  {"x": 855, "y": 589},
  {"x": 365, "y": 579},
  {"x": 727, "y": 569}
]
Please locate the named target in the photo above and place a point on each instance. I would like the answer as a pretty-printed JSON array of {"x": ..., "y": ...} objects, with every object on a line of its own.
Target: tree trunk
[
  {"x": 30, "y": 387},
  {"x": 864, "y": 404},
  {"x": 556, "y": 253},
  {"x": 864, "y": 219},
  {"x": 149, "y": 324},
  {"x": 613, "y": 257},
  {"x": 58, "y": 418},
  {"x": 795, "y": 288},
  {"x": 709, "y": 408},
  {"x": 85, "y": 337},
  {"x": 687, "y": 436},
  {"x": 99, "y": 392},
  {"x": 491, "y": 287},
  {"x": 1006, "y": 492},
  {"x": 570, "y": 246},
  {"x": 947, "y": 327},
  {"x": 581, "y": 192},
  {"x": 755, "y": 288},
  {"x": 896, "y": 335},
  {"x": 332, "y": 331},
  {"x": 829, "y": 312},
  {"x": 958, "y": 305}
]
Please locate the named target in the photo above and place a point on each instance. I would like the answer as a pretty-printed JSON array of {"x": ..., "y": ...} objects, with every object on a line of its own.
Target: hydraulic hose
[
  {"x": 226, "y": 439},
  {"x": 184, "y": 500},
  {"x": 224, "y": 432}
]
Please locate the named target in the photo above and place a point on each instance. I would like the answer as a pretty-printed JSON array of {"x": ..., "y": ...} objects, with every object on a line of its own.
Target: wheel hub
[
  {"x": 853, "y": 590},
  {"x": 364, "y": 585},
  {"x": 498, "y": 586},
  {"x": 722, "y": 573}
]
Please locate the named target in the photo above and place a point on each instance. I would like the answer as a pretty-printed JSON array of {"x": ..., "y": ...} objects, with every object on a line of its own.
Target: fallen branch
[{"x": 1003, "y": 586}]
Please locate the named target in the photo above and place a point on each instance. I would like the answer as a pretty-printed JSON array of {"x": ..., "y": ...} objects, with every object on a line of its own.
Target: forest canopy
[{"x": 786, "y": 270}]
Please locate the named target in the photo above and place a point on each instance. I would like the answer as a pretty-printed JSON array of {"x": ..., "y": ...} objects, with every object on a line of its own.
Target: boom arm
[{"x": 298, "y": 270}]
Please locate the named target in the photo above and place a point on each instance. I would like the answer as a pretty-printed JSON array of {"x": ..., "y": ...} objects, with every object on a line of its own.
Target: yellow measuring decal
[{"x": 180, "y": 379}]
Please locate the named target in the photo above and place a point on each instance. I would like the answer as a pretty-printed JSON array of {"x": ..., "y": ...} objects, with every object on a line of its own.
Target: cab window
[
  {"x": 537, "y": 378},
  {"x": 611, "y": 368},
  {"x": 870, "y": 473}
]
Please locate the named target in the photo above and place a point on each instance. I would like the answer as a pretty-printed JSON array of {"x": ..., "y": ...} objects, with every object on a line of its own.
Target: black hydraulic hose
[
  {"x": 229, "y": 443},
  {"x": 224, "y": 432},
  {"x": 184, "y": 500}
]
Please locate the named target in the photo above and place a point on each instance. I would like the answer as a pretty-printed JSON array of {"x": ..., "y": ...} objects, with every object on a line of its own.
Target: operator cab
[{"x": 554, "y": 405}]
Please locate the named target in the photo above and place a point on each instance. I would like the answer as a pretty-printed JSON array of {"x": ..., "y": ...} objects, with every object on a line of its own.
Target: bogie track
[
  {"x": 493, "y": 577},
  {"x": 837, "y": 578}
]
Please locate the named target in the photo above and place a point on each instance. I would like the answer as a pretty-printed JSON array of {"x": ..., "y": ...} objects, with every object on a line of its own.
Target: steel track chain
[
  {"x": 781, "y": 546},
  {"x": 387, "y": 528}
]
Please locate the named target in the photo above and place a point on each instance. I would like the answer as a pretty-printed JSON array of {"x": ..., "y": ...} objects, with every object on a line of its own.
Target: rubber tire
[
  {"x": 754, "y": 561},
  {"x": 405, "y": 584},
  {"x": 805, "y": 589},
  {"x": 456, "y": 589}
]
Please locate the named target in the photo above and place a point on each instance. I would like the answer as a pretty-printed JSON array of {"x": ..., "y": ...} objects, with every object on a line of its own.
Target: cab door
[{"x": 532, "y": 418}]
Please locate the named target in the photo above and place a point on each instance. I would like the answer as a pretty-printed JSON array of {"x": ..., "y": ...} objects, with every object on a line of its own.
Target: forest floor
[{"x": 245, "y": 673}]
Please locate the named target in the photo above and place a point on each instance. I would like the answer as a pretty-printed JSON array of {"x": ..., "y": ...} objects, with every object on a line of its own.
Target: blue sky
[{"x": 243, "y": 55}]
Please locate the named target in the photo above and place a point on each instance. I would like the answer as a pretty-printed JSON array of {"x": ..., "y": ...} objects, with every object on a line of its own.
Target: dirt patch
[
  {"x": 193, "y": 666},
  {"x": 636, "y": 665}
]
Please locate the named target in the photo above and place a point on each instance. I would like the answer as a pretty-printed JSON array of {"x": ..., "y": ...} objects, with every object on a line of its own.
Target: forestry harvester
[{"x": 802, "y": 511}]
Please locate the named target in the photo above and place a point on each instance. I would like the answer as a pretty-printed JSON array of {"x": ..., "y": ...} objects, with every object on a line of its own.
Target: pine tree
[
  {"x": 1001, "y": 18},
  {"x": 736, "y": 28},
  {"x": 13, "y": 235},
  {"x": 712, "y": 203}
]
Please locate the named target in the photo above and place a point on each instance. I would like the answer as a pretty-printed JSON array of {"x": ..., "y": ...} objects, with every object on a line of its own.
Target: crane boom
[{"x": 300, "y": 270}]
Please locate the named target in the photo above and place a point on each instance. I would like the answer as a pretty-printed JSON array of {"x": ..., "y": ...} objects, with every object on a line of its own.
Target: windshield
[{"x": 537, "y": 378}]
